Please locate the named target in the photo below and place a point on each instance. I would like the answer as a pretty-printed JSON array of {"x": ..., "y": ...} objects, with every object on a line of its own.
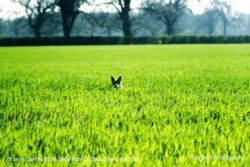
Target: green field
[{"x": 180, "y": 105}]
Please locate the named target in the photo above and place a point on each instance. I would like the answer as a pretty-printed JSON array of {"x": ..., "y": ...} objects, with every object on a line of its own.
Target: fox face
[{"x": 116, "y": 83}]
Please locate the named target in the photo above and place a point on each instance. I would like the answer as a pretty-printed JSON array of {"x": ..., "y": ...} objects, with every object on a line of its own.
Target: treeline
[{"x": 55, "y": 18}]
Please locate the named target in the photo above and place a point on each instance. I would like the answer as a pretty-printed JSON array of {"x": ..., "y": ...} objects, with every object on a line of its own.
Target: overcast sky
[{"x": 10, "y": 9}]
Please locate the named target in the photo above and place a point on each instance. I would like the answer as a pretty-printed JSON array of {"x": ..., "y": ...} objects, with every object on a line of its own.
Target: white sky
[{"x": 9, "y": 9}]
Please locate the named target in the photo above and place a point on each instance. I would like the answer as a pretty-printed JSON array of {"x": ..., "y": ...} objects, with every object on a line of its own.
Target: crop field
[{"x": 180, "y": 105}]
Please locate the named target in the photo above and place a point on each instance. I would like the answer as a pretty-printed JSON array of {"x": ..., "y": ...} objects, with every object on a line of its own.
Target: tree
[
  {"x": 123, "y": 8},
  {"x": 147, "y": 25},
  {"x": 224, "y": 12},
  {"x": 18, "y": 27},
  {"x": 83, "y": 26},
  {"x": 36, "y": 11},
  {"x": 248, "y": 25},
  {"x": 238, "y": 25},
  {"x": 69, "y": 11},
  {"x": 52, "y": 26},
  {"x": 1, "y": 24},
  {"x": 168, "y": 12},
  {"x": 210, "y": 20},
  {"x": 106, "y": 21}
]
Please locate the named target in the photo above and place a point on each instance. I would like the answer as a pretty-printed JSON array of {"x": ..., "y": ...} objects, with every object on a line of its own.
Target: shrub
[{"x": 28, "y": 41}]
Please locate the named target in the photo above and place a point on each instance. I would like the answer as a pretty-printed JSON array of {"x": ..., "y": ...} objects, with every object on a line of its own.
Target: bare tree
[
  {"x": 82, "y": 27},
  {"x": 167, "y": 11},
  {"x": 1, "y": 24},
  {"x": 225, "y": 13},
  {"x": 18, "y": 26},
  {"x": 248, "y": 25},
  {"x": 36, "y": 11},
  {"x": 106, "y": 21},
  {"x": 210, "y": 20},
  {"x": 123, "y": 8},
  {"x": 69, "y": 11},
  {"x": 52, "y": 26},
  {"x": 146, "y": 25},
  {"x": 238, "y": 26}
]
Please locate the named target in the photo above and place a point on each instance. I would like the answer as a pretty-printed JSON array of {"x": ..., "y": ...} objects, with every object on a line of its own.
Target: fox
[{"x": 116, "y": 83}]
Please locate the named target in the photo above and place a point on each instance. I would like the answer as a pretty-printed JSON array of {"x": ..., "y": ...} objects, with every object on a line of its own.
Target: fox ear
[
  {"x": 112, "y": 79},
  {"x": 119, "y": 79}
]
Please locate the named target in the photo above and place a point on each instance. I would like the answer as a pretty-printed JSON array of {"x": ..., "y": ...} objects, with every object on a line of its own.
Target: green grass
[{"x": 181, "y": 105}]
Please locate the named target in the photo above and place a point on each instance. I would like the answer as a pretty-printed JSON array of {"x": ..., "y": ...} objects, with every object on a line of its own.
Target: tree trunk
[
  {"x": 126, "y": 22},
  {"x": 66, "y": 26},
  {"x": 68, "y": 19},
  {"x": 109, "y": 32},
  {"x": 170, "y": 29},
  {"x": 210, "y": 32},
  {"x": 126, "y": 25},
  {"x": 37, "y": 33},
  {"x": 36, "y": 24},
  {"x": 66, "y": 29}
]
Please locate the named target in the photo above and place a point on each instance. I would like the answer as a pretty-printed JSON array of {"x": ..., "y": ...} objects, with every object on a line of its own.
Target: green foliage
[
  {"x": 122, "y": 40},
  {"x": 182, "y": 105}
]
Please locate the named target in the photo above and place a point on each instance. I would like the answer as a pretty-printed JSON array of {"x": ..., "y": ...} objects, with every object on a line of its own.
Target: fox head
[{"x": 116, "y": 83}]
